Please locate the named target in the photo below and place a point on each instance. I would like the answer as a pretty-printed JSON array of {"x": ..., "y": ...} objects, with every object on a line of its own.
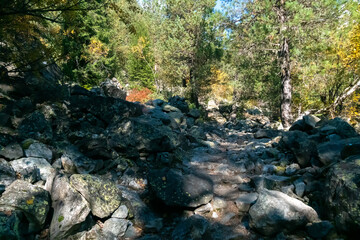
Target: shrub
[{"x": 139, "y": 95}]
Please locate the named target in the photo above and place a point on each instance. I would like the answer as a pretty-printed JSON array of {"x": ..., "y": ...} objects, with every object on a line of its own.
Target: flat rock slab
[
  {"x": 32, "y": 201},
  {"x": 104, "y": 196},
  {"x": 177, "y": 189},
  {"x": 23, "y": 165},
  {"x": 39, "y": 150},
  {"x": 245, "y": 200},
  {"x": 275, "y": 211},
  {"x": 70, "y": 209},
  {"x": 12, "y": 151}
]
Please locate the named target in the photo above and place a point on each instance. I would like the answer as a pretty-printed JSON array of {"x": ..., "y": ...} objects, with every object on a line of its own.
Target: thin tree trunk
[
  {"x": 284, "y": 57},
  {"x": 350, "y": 90}
]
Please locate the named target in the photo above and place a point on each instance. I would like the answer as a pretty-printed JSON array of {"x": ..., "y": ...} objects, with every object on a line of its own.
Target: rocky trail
[{"x": 79, "y": 164}]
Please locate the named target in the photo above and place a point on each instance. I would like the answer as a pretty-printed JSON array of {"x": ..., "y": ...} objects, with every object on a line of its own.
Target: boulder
[
  {"x": 74, "y": 161},
  {"x": 343, "y": 196},
  {"x": 330, "y": 152},
  {"x": 177, "y": 189},
  {"x": 32, "y": 201},
  {"x": 301, "y": 146},
  {"x": 194, "y": 113},
  {"x": 12, "y": 151},
  {"x": 193, "y": 227},
  {"x": 25, "y": 165},
  {"x": 270, "y": 182},
  {"x": 143, "y": 134},
  {"x": 275, "y": 211},
  {"x": 121, "y": 212},
  {"x": 37, "y": 127},
  {"x": 114, "y": 228},
  {"x": 179, "y": 103},
  {"x": 245, "y": 200},
  {"x": 39, "y": 150},
  {"x": 70, "y": 209},
  {"x": 344, "y": 129},
  {"x": 7, "y": 175},
  {"x": 266, "y": 133},
  {"x": 112, "y": 88},
  {"x": 103, "y": 196}
]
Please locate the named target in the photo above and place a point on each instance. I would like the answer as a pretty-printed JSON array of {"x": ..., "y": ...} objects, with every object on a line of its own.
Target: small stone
[
  {"x": 121, "y": 212},
  {"x": 114, "y": 228},
  {"x": 292, "y": 169},
  {"x": 219, "y": 203},
  {"x": 300, "y": 188},
  {"x": 204, "y": 209}
]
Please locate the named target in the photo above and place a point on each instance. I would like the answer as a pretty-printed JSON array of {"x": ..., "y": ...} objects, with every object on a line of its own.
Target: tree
[{"x": 278, "y": 39}]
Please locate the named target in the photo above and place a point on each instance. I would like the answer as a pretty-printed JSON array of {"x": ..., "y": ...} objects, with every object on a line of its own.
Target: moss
[
  {"x": 60, "y": 218},
  {"x": 26, "y": 143}
]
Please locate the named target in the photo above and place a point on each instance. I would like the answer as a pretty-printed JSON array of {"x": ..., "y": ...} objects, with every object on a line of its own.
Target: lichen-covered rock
[
  {"x": 39, "y": 150},
  {"x": 275, "y": 211},
  {"x": 24, "y": 165},
  {"x": 177, "y": 189},
  {"x": 343, "y": 195},
  {"x": 32, "y": 201},
  {"x": 70, "y": 209},
  {"x": 12, "y": 151},
  {"x": 104, "y": 196}
]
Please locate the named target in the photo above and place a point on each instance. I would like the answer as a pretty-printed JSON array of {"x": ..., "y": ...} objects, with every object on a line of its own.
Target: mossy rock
[{"x": 104, "y": 196}]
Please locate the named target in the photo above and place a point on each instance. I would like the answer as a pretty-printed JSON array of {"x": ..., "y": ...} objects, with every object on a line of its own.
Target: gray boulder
[
  {"x": 344, "y": 129},
  {"x": 301, "y": 146},
  {"x": 39, "y": 150},
  {"x": 245, "y": 200},
  {"x": 70, "y": 209},
  {"x": 25, "y": 165},
  {"x": 177, "y": 189},
  {"x": 103, "y": 196},
  {"x": 143, "y": 134},
  {"x": 275, "y": 211},
  {"x": 343, "y": 196},
  {"x": 194, "y": 113},
  {"x": 179, "y": 103},
  {"x": 12, "y": 151}
]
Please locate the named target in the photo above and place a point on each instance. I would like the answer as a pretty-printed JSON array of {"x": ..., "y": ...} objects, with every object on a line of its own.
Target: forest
[
  {"x": 288, "y": 56},
  {"x": 179, "y": 119}
]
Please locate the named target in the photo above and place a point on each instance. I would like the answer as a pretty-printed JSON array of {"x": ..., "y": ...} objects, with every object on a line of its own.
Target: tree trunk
[
  {"x": 284, "y": 57},
  {"x": 193, "y": 91},
  {"x": 348, "y": 91}
]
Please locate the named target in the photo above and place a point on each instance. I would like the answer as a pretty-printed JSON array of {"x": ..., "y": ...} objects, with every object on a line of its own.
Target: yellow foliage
[
  {"x": 96, "y": 49},
  {"x": 220, "y": 85},
  {"x": 139, "y": 48},
  {"x": 352, "y": 109},
  {"x": 349, "y": 52}
]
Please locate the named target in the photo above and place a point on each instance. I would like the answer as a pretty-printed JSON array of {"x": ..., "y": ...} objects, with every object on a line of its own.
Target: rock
[
  {"x": 300, "y": 145},
  {"x": 343, "y": 196},
  {"x": 245, "y": 200},
  {"x": 32, "y": 201},
  {"x": 192, "y": 228},
  {"x": 219, "y": 203},
  {"x": 292, "y": 169},
  {"x": 266, "y": 133},
  {"x": 179, "y": 103},
  {"x": 344, "y": 129},
  {"x": 177, "y": 118},
  {"x": 298, "y": 126},
  {"x": 310, "y": 121},
  {"x": 194, "y": 113},
  {"x": 37, "y": 127},
  {"x": 143, "y": 134},
  {"x": 73, "y": 161},
  {"x": 274, "y": 211},
  {"x": 270, "y": 182},
  {"x": 114, "y": 228},
  {"x": 300, "y": 188},
  {"x": 204, "y": 209},
  {"x": 350, "y": 149},
  {"x": 25, "y": 165},
  {"x": 159, "y": 114},
  {"x": 319, "y": 230},
  {"x": 39, "y": 150},
  {"x": 177, "y": 189},
  {"x": 7, "y": 175},
  {"x": 70, "y": 209},
  {"x": 103, "y": 196},
  {"x": 327, "y": 130},
  {"x": 330, "y": 152},
  {"x": 12, "y": 151},
  {"x": 121, "y": 212},
  {"x": 112, "y": 88}
]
